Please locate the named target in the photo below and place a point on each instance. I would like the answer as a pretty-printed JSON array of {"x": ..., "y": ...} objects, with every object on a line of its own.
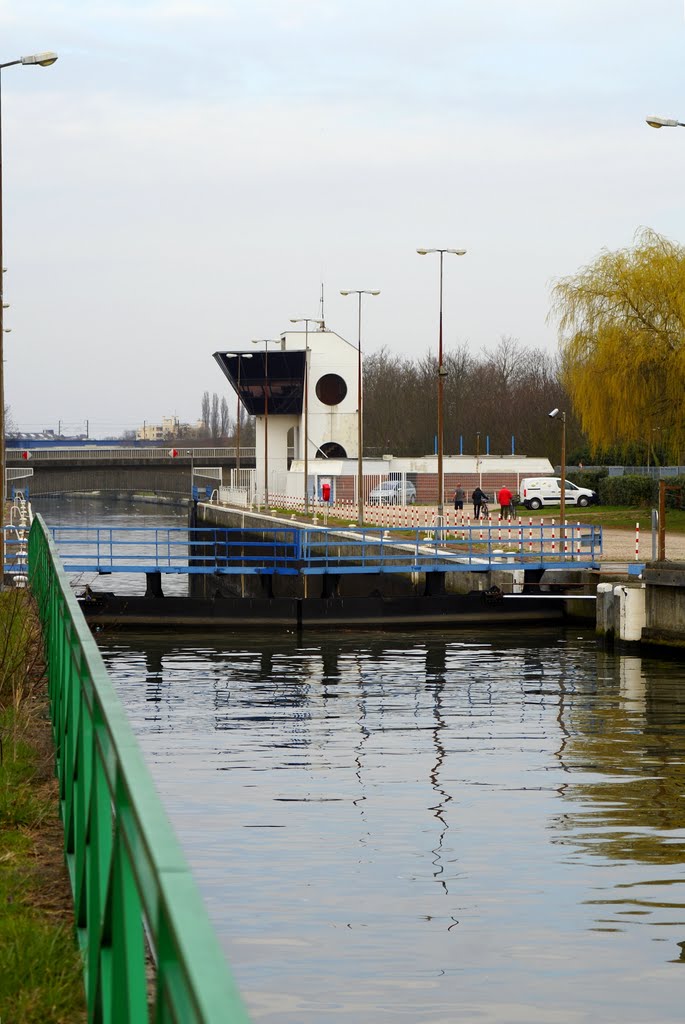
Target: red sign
[
  {"x": 26, "y": 455},
  {"x": 173, "y": 452}
]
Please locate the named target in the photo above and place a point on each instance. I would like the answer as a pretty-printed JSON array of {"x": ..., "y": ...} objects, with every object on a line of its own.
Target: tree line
[{"x": 498, "y": 395}]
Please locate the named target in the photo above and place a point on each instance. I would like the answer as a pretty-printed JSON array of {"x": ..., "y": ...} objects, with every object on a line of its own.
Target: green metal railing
[{"x": 149, "y": 949}]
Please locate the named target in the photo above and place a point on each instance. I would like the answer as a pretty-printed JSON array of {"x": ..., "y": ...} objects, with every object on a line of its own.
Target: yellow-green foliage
[{"x": 622, "y": 338}]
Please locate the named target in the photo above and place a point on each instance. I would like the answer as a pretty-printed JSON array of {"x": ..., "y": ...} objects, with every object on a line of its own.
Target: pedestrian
[
  {"x": 505, "y": 498},
  {"x": 459, "y": 499},
  {"x": 479, "y": 498}
]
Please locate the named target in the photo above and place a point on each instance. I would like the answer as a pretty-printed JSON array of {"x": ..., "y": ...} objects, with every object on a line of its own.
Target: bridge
[{"x": 98, "y": 468}]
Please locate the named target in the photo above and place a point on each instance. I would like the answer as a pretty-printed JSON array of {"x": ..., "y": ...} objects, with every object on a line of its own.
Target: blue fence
[{"x": 305, "y": 551}]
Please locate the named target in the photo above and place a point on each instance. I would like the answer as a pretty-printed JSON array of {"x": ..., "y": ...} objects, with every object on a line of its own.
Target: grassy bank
[{"x": 41, "y": 977}]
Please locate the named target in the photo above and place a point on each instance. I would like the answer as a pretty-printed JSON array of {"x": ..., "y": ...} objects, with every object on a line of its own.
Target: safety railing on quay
[
  {"x": 134, "y": 895},
  {"x": 309, "y": 549}
]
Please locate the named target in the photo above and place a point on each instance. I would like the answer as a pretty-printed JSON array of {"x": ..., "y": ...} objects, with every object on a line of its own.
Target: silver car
[{"x": 393, "y": 492}]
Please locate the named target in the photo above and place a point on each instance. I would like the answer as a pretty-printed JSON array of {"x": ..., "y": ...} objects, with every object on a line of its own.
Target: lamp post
[
  {"x": 556, "y": 414},
  {"x": 664, "y": 122},
  {"x": 266, "y": 342},
  {"x": 442, "y": 373},
  {"x": 41, "y": 60},
  {"x": 239, "y": 356},
  {"x": 306, "y": 320},
  {"x": 360, "y": 437}
]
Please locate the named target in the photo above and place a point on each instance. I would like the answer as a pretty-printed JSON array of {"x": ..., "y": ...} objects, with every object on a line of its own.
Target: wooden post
[{"x": 661, "y": 554}]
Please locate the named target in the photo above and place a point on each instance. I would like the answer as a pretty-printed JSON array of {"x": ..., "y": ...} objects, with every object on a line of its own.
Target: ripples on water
[
  {"x": 420, "y": 828},
  {"x": 412, "y": 828}
]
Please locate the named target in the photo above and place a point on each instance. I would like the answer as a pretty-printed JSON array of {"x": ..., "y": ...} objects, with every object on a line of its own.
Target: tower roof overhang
[{"x": 278, "y": 374}]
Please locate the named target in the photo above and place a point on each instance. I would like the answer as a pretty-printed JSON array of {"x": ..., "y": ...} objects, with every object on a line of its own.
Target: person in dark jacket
[
  {"x": 459, "y": 498},
  {"x": 479, "y": 498}
]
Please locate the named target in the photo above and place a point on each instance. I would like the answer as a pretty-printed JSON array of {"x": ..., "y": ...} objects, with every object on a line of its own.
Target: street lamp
[
  {"x": 360, "y": 440},
  {"x": 42, "y": 60},
  {"x": 239, "y": 356},
  {"x": 306, "y": 320},
  {"x": 664, "y": 122},
  {"x": 442, "y": 373},
  {"x": 554, "y": 414},
  {"x": 266, "y": 342}
]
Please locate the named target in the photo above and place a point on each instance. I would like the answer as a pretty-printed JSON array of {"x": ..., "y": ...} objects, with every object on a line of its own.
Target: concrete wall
[{"x": 665, "y": 604}]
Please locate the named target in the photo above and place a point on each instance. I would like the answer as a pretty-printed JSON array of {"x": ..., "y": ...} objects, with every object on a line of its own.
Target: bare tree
[
  {"x": 206, "y": 412},
  {"x": 225, "y": 419},
  {"x": 215, "y": 418}
]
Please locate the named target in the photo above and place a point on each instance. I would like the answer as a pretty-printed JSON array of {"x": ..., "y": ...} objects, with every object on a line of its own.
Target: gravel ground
[{"x": 619, "y": 546}]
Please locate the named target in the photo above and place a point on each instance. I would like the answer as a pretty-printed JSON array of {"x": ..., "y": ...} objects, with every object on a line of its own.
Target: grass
[
  {"x": 613, "y": 517},
  {"x": 41, "y": 973}
]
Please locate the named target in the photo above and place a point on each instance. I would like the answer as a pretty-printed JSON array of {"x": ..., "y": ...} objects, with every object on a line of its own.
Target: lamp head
[
  {"x": 553, "y": 414},
  {"x": 661, "y": 122},
  {"x": 423, "y": 252},
  {"x": 44, "y": 60}
]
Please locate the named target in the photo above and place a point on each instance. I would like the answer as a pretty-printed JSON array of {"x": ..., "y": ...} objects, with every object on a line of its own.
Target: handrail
[{"x": 128, "y": 875}]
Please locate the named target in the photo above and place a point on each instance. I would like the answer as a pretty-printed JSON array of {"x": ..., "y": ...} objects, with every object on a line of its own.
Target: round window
[{"x": 331, "y": 389}]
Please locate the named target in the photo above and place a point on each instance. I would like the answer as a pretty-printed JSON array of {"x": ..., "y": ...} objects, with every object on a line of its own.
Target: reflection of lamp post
[
  {"x": 554, "y": 414},
  {"x": 41, "y": 60},
  {"x": 238, "y": 356},
  {"x": 306, "y": 320},
  {"x": 664, "y": 122},
  {"x": 360, "y": 439},
  {"x": 266, "y": 342},
  {"x": 442, "y": 373}
]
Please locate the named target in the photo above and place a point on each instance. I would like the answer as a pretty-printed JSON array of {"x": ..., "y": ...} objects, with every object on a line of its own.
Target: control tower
[{"x": 309, "y": 376}]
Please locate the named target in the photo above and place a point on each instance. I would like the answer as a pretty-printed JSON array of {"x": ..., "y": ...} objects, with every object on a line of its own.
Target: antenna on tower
[{"x": 322, "y": 317}]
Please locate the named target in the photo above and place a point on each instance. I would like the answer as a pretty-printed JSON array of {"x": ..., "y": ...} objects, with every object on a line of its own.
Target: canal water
[{"x": 425, "y": 827}]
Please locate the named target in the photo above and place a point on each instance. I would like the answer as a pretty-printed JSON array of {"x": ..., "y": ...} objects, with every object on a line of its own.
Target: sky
[{"x": 190, "y": 172}]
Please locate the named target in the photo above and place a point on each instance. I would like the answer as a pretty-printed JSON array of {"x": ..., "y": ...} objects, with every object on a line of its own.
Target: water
[
  {"x": 423, "y": 829},
  {"x": 426, "y": 828}
]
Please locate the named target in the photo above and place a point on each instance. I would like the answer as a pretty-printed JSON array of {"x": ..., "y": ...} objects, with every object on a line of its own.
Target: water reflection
[{"x": 425, "y": 828}]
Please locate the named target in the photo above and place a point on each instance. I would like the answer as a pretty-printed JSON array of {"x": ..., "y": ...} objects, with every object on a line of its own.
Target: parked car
[
  {"x": 393, "y": 492},
  {"x": 536, "y": 491}
]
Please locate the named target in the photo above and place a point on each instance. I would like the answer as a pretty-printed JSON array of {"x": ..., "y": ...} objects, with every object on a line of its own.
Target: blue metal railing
[{"x": 298, "y": 550}]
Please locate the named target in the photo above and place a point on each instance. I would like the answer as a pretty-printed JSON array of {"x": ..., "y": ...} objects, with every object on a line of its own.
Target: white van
[{"x": 536, "y": 491}]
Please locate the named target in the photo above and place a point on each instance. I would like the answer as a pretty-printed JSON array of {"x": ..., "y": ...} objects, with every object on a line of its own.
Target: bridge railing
[
  {"x": 131, "y": 884},
  {"x": 135, "y": 454},
  {"x": 308, "y": 549}
]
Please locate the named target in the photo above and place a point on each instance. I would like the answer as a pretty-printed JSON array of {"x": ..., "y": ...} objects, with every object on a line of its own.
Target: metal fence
[
  {"x": 135, "y": 454},
  {"x": 310, "y": 550},
  {"x": 134, "y": 895}
]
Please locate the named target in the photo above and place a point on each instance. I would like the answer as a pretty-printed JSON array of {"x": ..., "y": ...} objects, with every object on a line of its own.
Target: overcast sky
[{"x": 189, "y": 172}]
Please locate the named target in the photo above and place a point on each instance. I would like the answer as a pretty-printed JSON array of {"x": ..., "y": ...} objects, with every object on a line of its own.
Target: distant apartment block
[{"x": 169, "y": 427}]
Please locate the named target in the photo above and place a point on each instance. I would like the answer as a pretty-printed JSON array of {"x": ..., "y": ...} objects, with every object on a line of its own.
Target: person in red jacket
[{"x": 504, "y": 498}]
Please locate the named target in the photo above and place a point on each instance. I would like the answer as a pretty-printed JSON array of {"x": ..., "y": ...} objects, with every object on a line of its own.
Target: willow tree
[{"x": 622, "y": 338}]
